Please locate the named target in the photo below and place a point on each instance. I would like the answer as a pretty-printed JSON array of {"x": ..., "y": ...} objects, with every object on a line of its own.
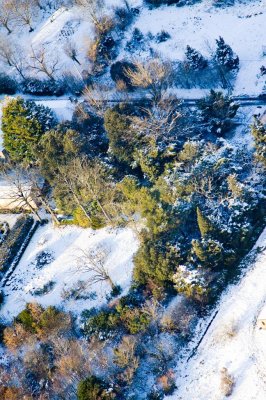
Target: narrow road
[{"x": 243, "y": 101}]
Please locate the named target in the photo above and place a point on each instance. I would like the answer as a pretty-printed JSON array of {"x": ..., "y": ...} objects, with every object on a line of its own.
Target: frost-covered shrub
[
  {"x": 45, "y": 289},
  {"x": 157, "y": 3},
  {"x": 124, "y": 17},
  {"x": 102, "y": 324},
  {"x": 78, "y": 292},
  {"x": 162, "y": 36},
  {"x": 42, "y": 259},
  {"x": 136, "y": 42},
  {"x": 7, "y": 85},
  {"x": 38, "y": 87},
  {"x": 223, "y": 3},
  {"x": 191, "y": 282}
]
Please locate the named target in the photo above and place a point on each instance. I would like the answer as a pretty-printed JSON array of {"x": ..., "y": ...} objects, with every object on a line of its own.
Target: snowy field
[
  {"x": 63, "y": 247},
  {"x": 233, "y": 341},
  {"x": 242, "y": 27}
]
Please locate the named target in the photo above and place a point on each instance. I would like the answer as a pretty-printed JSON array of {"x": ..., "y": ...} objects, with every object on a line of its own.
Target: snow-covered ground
[
  {"x": 233, "y": 341},
  {"x": 242, "y": 27},
  {"x": 64, "y": 246}
]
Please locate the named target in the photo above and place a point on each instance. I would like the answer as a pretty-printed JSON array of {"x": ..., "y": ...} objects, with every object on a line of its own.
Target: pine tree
[
  {"x": 195, "y": 59},
  {"x": 225, "y": 56},
  {"x": 209, "y": 252},
  {"x": 205, "y": 226},
  {"x": 23, "y": 124},
  {"x": 259, "y": 134}
]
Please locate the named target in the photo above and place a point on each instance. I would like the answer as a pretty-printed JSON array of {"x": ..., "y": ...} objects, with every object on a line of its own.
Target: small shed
[{"x": 261, "y": 321}]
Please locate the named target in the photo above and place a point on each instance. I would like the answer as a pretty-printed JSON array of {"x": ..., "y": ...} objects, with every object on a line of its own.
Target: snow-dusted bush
[
  {"x": 38, "y": 87},
  {"x": 191, "y": 282},
  {"x": 7, "y": 85}
]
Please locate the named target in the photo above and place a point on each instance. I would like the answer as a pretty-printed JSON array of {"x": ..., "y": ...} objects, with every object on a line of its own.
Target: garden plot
[{"x": 49, "y": 272}]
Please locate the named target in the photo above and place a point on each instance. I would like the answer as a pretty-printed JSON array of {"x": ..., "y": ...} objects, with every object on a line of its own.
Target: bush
[
  {"x": 134, "y": 319},
  {"x": 93, "y": 388},
  {"x": 46, "y": 288},
  {"x": 118, "y": 72},
  {"x": 158, "y": 3},
  {"x": 7, "y": 85},
  {"x": 102, "y": 324},
  {"x": 38, "y": 87},
  {"x": 163, "y": 36}
]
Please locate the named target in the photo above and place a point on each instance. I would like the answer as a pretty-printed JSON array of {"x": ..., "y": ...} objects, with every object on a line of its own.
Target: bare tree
[
  {"x": 92, "y": 176},
  {"x": 70, "y": 182},
  {"x": 24, "y": 11},
  {"x": 153, "y": 75},
  {"x": 70, "y": 50},
  {"x": 39, "y": 192},
  {"x": 94, "y": 261},
  {"x": 6, "y": 14},
  {"x": 160, "y": 120},
  {"x": 125, "y": 358},
  {"x": 19, "y": 192},
  {"x": 42, "y": 62},
  {"x": 92, "y": 8},
  {"x": 13, "y": 56}
]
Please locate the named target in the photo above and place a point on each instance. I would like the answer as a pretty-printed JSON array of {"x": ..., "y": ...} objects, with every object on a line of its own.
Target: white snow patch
[
  {"x": 233, "y": 341},
  {"x": 64, "y": 244}
]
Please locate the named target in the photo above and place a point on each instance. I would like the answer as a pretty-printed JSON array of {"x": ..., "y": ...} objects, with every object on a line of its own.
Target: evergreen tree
[
  {"x": 217, "y": 111},
  {"x": 205, "y": 226},
  {"x": 23, "y": 124},
  {"x": 225, "y": 56},
  {"x": 121, "y": 141},
  {"x": 209, "y": 252},
  {"x": 56, "y": 148},
  {"x": 259, "y": 134},
  {"x": 195, "y": 59}
]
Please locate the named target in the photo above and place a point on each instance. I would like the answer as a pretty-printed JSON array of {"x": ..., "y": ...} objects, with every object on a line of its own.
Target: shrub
[
  {"x": 162, "y": 36},
  {"x": 119, "y": 74},
  {"x": 38, "y": 87},
  {"x": 102, "y": 324},
  {"x": 134, "y": 319},
  {"x": 217, "y": 111},
  {"x": 7, "y": 85},
  {"x": 46, "y": 288},
  {"x": 93, "y": 388}
]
